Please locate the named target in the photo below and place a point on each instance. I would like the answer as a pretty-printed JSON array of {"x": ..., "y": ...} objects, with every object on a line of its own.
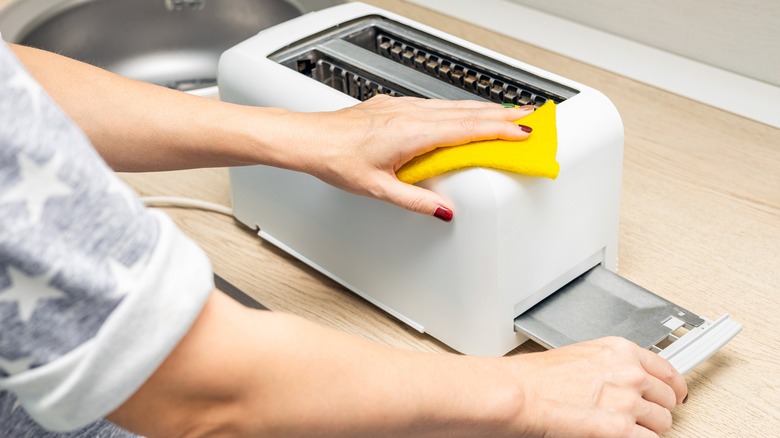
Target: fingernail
[
  {"x": 443, "y": 213},
  {"x": 685, "y": 399},
  {"x": 525, "y": 128},
  {"x": 528, "y": 107}
]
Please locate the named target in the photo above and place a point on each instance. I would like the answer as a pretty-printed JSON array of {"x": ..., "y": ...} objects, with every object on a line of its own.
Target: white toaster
[{"x": 525, "y": 257}]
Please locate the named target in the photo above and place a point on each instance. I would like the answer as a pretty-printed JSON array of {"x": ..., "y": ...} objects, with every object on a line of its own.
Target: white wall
[
  {"x": 727, "y": 55},
  {"x": 742, "y": 36},
  {"x": 315, "y": 5}
]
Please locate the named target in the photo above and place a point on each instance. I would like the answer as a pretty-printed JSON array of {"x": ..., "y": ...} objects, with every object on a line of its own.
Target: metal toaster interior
[{"x": 375, "y": 55}]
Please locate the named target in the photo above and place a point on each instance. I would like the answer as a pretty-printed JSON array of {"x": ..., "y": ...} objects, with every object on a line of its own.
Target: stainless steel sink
[{"x": 176, "y": 43}]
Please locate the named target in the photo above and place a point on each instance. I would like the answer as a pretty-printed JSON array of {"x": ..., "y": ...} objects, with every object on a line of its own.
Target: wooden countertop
[{"x": 700, "y": 225}]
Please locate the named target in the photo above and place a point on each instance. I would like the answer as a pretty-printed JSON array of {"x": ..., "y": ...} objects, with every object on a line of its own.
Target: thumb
[{"x": 416, "y": 199}]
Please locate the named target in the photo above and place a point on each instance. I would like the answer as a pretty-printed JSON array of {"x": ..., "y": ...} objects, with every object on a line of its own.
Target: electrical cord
[{"x": 176, "y": 201}]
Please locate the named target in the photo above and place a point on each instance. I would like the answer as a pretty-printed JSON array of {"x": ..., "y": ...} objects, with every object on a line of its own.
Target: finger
[
  {"x": 448, "y": 104},
  {"x": 466, "y": 130},
  {"x": 465, "y": 104},
  {"x": 654, "y": 417},
  {"x": 414, "y": 198},
  {"x": 603, "y": 423},
  {"x": 642, "y": 432},
  {"x": 474, "y": 105},
  {"x": 658, "y": 392},
  {"x": 437, "y": 108},
  {"x": 480, "y": 111},
  {"x": 661, "y": 368},
  {"x": 498, "y": 113},
  {"x": 459, "y": 132}
]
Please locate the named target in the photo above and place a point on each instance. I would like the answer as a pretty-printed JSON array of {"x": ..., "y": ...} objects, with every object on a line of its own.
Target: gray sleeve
[
  {"x": 95, "y": 289},
  {"x": 14, "y": 422}
]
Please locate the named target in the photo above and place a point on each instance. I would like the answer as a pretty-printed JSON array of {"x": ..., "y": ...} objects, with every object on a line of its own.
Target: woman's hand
[
  {"x": 142, "y": 127},
  {"x": 360, "y": 148},
  {"x": 242, "y": 372},
  {"x": 609, "y": 387},
  {"x": 139, "y": 127}
]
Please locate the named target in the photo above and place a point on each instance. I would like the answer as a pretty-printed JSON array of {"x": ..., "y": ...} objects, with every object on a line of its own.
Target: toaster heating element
[
  {"x": 374, "y": 55},
  {"x": 525, "y": 258}
]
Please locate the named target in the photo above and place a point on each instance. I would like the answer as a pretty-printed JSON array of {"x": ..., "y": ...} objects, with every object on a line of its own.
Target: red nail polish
[
  {"x": 443, "y": 213},
  {"x": 525, "y": 128}
]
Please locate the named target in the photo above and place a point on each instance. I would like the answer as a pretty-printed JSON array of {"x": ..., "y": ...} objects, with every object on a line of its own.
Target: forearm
[
  {"x": 142, "y": 127},
  {"x": 248, "y": 373},
  {"x": 240, "y": 372},
  {"x": 343, "y": 386}
]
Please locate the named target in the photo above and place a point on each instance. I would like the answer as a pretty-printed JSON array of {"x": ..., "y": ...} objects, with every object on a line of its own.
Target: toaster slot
[
  {"x": 600, "y": 303},
  {"x": 349, "y": 81},
  {"x": 470, "y": 71},
  {"x": 375, "y": 55},
  {"x": 368, "y": 74}
]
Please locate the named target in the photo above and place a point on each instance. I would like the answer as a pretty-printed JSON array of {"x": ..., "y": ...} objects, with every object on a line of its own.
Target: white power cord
[{"x": 175, "y": 201}]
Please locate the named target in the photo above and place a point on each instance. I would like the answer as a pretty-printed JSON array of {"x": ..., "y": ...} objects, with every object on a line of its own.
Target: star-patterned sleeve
[{"x": 95, "y": 289}]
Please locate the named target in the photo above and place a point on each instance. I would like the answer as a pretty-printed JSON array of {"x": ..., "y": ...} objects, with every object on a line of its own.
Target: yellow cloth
[{"x": 534, "y": 156}]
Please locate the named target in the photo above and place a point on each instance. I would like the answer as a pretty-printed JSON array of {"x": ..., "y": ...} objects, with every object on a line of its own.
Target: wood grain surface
[{"x": 700, "y": 226}]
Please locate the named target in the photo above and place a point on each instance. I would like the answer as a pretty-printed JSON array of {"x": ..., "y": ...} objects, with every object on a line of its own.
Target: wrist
[
  {"x": 480, "y": 395},
  {"x": 505, "y": 400}
]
